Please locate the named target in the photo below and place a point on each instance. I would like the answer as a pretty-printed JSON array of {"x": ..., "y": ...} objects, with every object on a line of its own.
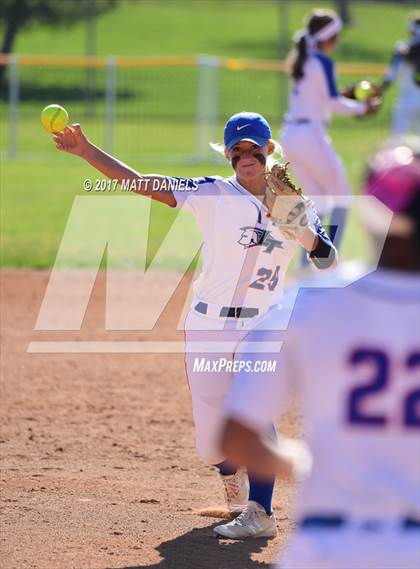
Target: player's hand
[
  {"x": 348, "y": 92},
  {"x": 71, "y": 140},
  {"x": 373, "y": 105},
  {"x": 285, "y": 203}
]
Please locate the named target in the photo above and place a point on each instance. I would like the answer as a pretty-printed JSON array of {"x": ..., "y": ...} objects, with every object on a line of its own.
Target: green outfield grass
[{"x": 155, "y": 125}]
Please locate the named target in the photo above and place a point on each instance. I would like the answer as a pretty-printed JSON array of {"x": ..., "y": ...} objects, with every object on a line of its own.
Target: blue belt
[{"x": 339, "y": 522}]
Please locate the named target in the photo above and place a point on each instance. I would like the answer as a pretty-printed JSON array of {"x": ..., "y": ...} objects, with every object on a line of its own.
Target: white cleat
[
  {"x": 253, "y": 522},
  {"x": 236, "y": 488}
]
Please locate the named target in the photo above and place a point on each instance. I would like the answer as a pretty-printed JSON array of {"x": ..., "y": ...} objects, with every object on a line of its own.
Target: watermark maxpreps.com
[{"x": 218, "y": 365}]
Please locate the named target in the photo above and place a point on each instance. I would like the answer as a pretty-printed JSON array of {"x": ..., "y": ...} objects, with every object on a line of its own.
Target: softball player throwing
[
  {"x": 359, "y": 386},
  {"x": 245, "y": 258},
  {"x": 313, "y": 97}
]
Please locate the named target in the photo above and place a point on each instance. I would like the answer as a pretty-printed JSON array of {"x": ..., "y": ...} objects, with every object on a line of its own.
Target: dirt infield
[{"x": 98, "y": 467}]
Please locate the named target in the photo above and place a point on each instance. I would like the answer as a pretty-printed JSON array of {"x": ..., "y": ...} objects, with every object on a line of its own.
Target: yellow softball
[
  {"x": 363, "y": 90},
  {"x": 54, "y": 118}
]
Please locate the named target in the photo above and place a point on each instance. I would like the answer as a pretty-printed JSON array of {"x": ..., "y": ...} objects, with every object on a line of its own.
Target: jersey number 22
[{"x": 380, "y": 381}]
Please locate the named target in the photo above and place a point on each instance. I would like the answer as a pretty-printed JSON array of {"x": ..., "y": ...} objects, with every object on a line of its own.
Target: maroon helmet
[{"x": 393, "y": 178}]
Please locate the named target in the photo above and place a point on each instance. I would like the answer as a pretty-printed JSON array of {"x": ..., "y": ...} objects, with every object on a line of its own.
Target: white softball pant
[
  {"x": 210, "y": 387},
  {"x": 406, "y": 116},
  {"x": 352, "y": 547},
  {"x": 315, "y": 164}
]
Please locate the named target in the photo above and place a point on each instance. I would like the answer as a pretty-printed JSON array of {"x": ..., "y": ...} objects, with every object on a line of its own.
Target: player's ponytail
[
  {"x": 307, "y": 39},
  {"x": 276, "y": 156},
  {"x": 301, "y": 56}
]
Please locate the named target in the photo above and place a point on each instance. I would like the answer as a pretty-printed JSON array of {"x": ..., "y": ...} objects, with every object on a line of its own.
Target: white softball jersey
[
  {"x": 245, "y": 258},
  {"x": 316, "y": 96},
  {"x": 353, "y": 356},
  {"x": 304, "y": 138}
]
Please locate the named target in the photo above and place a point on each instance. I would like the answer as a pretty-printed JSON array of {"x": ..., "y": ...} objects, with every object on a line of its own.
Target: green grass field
[{"x": 156, "y": 107}]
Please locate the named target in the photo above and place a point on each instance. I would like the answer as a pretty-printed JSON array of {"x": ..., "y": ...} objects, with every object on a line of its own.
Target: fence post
[
  {"x": 110, "y": 103},
  {"x": 13, "y": 105},
  {"x": 207, "y": 103}
]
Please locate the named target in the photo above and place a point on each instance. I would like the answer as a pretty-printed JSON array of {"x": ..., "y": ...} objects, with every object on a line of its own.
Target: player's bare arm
[
  {"x": 308, "y": 239},
  {"x": 285, "y": 458},
  {"x": 73, "y": 140},
  {"x": 246, "y": 447}
]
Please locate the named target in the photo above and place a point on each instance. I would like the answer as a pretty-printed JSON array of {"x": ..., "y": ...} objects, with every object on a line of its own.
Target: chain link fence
[{"x": 166, "y": 107}]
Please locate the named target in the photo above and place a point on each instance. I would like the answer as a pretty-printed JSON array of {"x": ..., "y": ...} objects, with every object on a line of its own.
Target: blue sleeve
[
  {"x": 324, "y": 255},
  {"x": 329, "y": 71},
  {"x": 321, "y": 231}
]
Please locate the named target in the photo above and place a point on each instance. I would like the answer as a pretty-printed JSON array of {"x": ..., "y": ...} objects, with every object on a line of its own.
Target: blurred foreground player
[{"x": 353, "y": 355}]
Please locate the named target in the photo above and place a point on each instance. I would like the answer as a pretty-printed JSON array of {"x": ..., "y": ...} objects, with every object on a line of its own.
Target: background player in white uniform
[
  {"x": 405, "y": 68},
  {"x": 245, "y": 258},
  {"x": 353, "y": 355},
  {"x": 314, "y": 96}
]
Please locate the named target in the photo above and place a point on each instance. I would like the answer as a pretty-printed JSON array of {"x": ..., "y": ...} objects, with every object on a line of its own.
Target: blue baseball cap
[{"x": 246, "y": 126}]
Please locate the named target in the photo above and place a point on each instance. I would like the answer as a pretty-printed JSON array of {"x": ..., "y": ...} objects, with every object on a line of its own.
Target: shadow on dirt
[{"x": 199, "y": 549}]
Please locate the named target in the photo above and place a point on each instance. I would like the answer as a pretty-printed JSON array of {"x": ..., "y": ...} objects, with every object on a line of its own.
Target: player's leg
[
  {"x": 298, "y": 142},
  {"x": 208, "y": 394},
  {"x": 328, "y": 172},
  {"x": 235, "y": 486},
  {"x": 209, "y": 378},
  {"x": 209, "y": 391},
  {"x": 414, "y": 111},
  {"x": 258, "y": 519},
  {"x": 297, "y": 149},
  {"x": 320, "y": 172},
  {"x": 261, "y": 491},
  {"x": 268, "y": 327},
  {"x": 401, "y": 118}
]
